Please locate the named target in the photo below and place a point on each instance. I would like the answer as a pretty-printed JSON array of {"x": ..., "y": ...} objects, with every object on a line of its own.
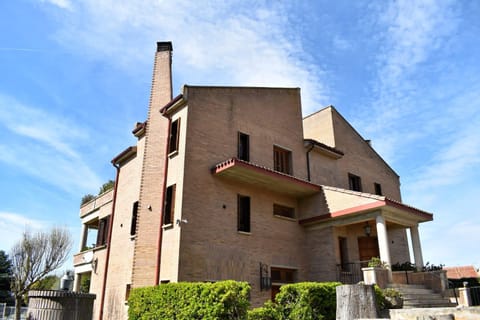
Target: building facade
[{"x": 232, "y": 183}]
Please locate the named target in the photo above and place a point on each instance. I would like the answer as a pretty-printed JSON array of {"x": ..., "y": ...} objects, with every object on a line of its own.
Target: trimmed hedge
[
  {"x": 305, "y": 300},
  {"x": 184, "y": 300}
]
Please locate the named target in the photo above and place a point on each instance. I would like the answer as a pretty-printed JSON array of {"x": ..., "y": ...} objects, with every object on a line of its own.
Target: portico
[{"x": 370, "y": 226}]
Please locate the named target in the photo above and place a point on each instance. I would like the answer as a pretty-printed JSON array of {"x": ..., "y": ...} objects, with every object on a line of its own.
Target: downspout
[
  {"x": 110, "y": 227},
  {"x": 160, "y": 233},
  {"x": 308, "y": 160}
]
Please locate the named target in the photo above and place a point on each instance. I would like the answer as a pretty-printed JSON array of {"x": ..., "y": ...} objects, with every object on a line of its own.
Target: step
[{"x": 418, "y": 296}]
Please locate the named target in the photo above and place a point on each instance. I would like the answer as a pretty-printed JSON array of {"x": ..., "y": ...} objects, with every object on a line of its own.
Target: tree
[
  {"x": 34, "y": 257},
  {"x": 5, "y": 276}
]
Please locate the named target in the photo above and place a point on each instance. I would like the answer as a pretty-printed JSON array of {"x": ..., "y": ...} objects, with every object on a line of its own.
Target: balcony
[{"x": 264, "y": 178}]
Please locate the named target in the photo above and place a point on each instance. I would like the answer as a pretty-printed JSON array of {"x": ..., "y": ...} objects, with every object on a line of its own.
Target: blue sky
[{"x": 75, "y": 77}]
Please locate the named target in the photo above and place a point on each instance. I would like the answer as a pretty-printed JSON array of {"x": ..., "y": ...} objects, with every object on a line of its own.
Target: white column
[
  {"x": 383, "y": 240},
  {"x": 416, "y": 246},
  {"x": 83, "y": 237},
  {"x": 383, "y": 243}
]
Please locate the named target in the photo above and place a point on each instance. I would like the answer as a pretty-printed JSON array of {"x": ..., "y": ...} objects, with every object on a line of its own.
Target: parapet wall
[{"x": 59, "y": 305}]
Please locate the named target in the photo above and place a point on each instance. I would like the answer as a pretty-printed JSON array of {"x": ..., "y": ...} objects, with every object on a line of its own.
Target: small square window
[
  {"x": 283, "y": 211},
  {"x": 355, "y": 182}
]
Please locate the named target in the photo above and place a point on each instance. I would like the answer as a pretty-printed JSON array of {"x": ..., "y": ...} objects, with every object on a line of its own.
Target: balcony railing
[{"x": 350, "y": 272}]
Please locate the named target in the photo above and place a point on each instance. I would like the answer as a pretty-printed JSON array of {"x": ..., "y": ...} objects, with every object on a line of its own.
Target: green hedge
[
  {"x": 220, "y": 300},
  {"x": 305, "y": 300}
]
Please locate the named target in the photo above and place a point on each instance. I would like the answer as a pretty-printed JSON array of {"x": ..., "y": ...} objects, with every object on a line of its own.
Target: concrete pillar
[
  {"x": 383, "y": 243},
  {"x": 416, "y": 246},
  {"x": 83, "y": 237}
]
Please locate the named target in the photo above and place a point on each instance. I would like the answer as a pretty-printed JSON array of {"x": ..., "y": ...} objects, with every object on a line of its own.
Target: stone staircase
[{"x": 418, "y": 296}]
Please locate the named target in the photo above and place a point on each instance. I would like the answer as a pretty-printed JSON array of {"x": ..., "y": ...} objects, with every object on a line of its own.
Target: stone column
[
  {"x": 83, "y": 237},
  {"x": 383, "y": 243},
  {"x": 416, "y": 246}
]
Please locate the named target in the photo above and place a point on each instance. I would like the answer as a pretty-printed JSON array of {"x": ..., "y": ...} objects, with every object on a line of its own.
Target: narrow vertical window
[
  {"x": 102, "y": 231},
  {"x": 169, "y": 205},
  {"x": 354, "y": 182},
  {"x": 282, "y": 160},
  {"x": 243, "y": 213},
  {"x": 174, "y": 136},
  {"x": 133, "y": 225},
  {"x": 378, "y": 189},
  {"x": 243, "y": 146}
]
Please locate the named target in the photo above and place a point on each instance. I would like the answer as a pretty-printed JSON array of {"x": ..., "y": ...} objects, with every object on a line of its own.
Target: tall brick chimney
[{"x": 153, "y": 172}]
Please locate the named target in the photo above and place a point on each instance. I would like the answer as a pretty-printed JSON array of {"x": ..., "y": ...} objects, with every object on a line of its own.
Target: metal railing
[{"x": 350, "y": 272}]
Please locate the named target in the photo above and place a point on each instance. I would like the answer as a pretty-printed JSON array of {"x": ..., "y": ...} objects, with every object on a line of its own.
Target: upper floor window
[
  {"x": 354, "y": 182},
  {"x": 102, "y": 234},
  {"x": 169, "y": 209},
  {"x": 243, "y": 214},
  {"x": 282, "y": 160},
  {"x": 378, "y": 189},
  {"x": 174, "y": 136},
  {"x": 133, "y": 225},
  {"x": 243, "y": 146},
  {"x": 283, "y": 211}
]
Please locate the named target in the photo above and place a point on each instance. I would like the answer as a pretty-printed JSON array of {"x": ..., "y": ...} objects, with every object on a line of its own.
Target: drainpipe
[
  {"x": 160, "y": 233},
  {"x": 308, "y": 160},
  {"x": 110, "y": 227}
]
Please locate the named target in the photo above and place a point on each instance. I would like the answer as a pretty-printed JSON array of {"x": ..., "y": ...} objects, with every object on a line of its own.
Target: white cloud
[
  {"x": 43, "y": 145},
  {"x": 234, "y": 43},
  {"x": 13, "y": 225},
  {"x": 64, "y": 4}
]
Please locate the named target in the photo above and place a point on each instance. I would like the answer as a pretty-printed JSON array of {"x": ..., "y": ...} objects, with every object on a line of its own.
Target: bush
[
  {"x": 87, "y": 198},
  {"x": 220, "y": 300},
  {"x": 268, "y": 312},
  {"x": 305, "y": 300}
]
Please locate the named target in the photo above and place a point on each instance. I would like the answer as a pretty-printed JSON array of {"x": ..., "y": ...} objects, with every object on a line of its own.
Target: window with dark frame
[
  {"x": 354, "y": 182},
  {"x": 169, "y": 209},
  {"x": 102, "y": 234},
  {"x": 282, "y": 275},
  {"x": 133, "y": 225},
  {"x": 128, "y": 288},
  {"x": 174, "y": 136},
  {"x": 243, "y": 214},
  {"x": 283, "y": 211},
  {"x": 282, "y": 160},
  {"x": 378, "y": 189},
  {"x": 243, "y": 146}
]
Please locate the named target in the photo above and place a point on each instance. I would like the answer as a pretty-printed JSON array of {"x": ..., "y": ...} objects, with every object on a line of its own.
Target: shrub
[
  {"x": 406, "y": 266},
  {"x": 87, "y": 198},
  {"x": 388, "y": 298},
  {"x": 305, "y": 300},
  {"x": 220, "y": 300},
  {"x": 269, "y": 311},
  {"x": 106, "y": 186},
  {"x": 375, "y": 262}
]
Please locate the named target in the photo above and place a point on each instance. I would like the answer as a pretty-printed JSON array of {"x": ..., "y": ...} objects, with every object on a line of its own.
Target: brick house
[{"x": 232, "y": 183}]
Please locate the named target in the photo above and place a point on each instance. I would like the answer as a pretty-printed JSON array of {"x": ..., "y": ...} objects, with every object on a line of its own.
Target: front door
[{"x": 368, "y": 248}]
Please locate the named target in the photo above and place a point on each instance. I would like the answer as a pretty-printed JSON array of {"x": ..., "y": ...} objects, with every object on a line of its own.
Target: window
[
  {"x": 174, "y": 136},
  {"x": 378, "y": 189},
  {"x": 282, "y": 160},
  {"x": 243, "y": 213},
  {"x": 133, "y": 225},
  {"x": 128, "y": 288},
  {"x": 243, "y": 146},
  {"x": 102, "y": 234},
  {"x": 354, "y": 182},
  {"x": 283, "y": 211},
  {"x": 169, "y": 205},
  {"x": 281, "y": 275}
]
